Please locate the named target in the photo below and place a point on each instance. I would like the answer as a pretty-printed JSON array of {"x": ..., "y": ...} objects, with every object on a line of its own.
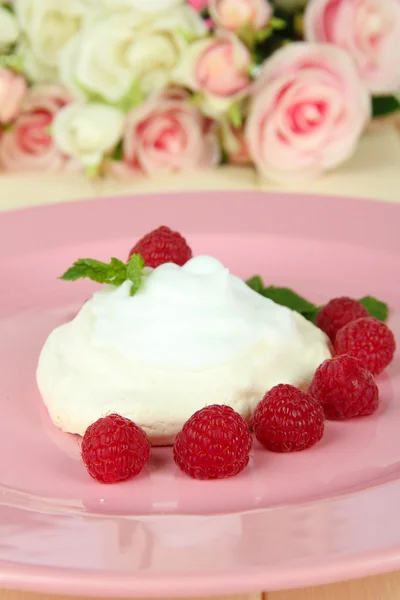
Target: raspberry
[
  {"x": 288, "y": 420},
  {"x": 369, "y": 340},
  {"x": 114, "y": 449},
  {"x": 162, "y": 245},
  {"x": 213, "y": 444},
  {"x": 344, "y": 388},
  {"x": 337, "y": 313}
]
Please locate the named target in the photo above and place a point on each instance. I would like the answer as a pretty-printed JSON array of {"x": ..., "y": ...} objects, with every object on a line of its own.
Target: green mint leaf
[
  {"x": 114, "y": 273},
  {"x": 134, "y": 272},
  {"x": 375, "y": 307},
  {"x": 311, "y": 315},
  {"x": 256, "y": 284},
  {"x": 384, "y": 105},
  {"x": 289, "y": 298},
  {"x": 117, "y": 272}
]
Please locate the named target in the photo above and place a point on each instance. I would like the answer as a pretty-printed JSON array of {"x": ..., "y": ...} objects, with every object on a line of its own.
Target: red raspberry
[
  {"x": 162, "y": 245},
  {"x": 288, "y": 420},
  {"x": 114, "y": 449},
  {"x": 369, "y": 340},
  {"x": 213, "y": 444},
  {"x": 337, "y": 313},
  {"x": 344, "y": 388}
]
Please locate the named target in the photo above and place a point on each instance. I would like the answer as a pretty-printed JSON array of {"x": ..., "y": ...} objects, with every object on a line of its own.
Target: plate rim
[
  {"x": 15, "y": 575},
  {"x": 111, "y": 583}
]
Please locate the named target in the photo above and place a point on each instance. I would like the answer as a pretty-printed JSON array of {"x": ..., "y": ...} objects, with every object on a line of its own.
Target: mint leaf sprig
[
  {"x": 115, "y": 272},
  {"x": 287, "y": 297},
  {"x": 375, "y": 307}
]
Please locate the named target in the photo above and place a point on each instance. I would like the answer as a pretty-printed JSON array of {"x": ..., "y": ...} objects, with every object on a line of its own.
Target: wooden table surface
[{"x": 374, "y": 172}]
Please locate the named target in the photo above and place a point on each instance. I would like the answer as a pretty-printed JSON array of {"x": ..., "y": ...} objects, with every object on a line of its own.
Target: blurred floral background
[{"x": 126, "y": 87}]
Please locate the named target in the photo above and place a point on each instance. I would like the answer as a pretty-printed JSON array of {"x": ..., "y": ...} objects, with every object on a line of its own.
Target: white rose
[
  {"x": 48, "y": 25},
  {"x": 87, "y": 131},
  {"x": 33, "y": 67},
  {"x": 145, "y": 6},
  {"x": 9, "y": 29},
  {"x": 112, "y": 54}
]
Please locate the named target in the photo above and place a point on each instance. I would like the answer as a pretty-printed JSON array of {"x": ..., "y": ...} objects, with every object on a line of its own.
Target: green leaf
[
  {"x": 256, "y": 284},
  {"x": 8, "y": 6},
  {"x": 224, "y": 157},
  {"x": 264, "y": 34},
  {"x": 298, "y": 24},
  {"x": 247, "y": 35},
  {"x": 134, "y": 272},
  {"x": 90, "y": 94},
  {"x": 15, "y": 62},
  {"x": 114, "y": 273},
  {"x": 253, "y": 70},
  {"x": 188, "y": 36},
  {"x": 376, "y": 308},
  {"x": 277, "y": 23},
  {"x": 384, "y": 105},
  {"x": 312, "y": 314},
  {"x": 196, "y": 98},
  {"x": 93, "y": 170},
  {"x": 235, "y": 115},
  {"x": 118, "y": 151},
  {"x": 289, "y": 298},
  {"x": 133, "y": 98}
]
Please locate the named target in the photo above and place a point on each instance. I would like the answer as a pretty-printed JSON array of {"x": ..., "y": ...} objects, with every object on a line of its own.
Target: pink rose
[
  {"x": 28, "y": 145},
  {"x": 167, "y": 133},
  {"x": 12, "y": 93},
  {"x": 221, "y": 67},
  {"x": 308, "y": 111},
  {"x": 198, "y": 5},
  {"x": 217, "y": 67},
  {"x": 369, "y": 30},
  {"x": 235, "y": 14}
]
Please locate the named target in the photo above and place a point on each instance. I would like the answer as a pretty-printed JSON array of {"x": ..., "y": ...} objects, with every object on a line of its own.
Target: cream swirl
[
  {"x": 191, "y": 317},
  {"x": 192, "y": 336}
]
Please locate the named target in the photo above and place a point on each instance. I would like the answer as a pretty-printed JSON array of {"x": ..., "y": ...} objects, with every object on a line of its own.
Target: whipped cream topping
[
  {"x": 191, "y": 336},
  {"x": 191, "y": 317}
]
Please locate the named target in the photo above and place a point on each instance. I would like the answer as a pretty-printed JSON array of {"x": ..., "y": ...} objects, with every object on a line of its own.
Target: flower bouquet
[{"x": 127, "y": 87}]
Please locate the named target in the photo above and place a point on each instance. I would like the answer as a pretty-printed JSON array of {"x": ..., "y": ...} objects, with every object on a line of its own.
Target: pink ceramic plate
[{"x": 288, "y": 520}]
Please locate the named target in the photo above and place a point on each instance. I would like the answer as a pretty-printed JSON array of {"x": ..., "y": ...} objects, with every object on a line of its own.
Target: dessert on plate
[{"x": 185, "y": 337}]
